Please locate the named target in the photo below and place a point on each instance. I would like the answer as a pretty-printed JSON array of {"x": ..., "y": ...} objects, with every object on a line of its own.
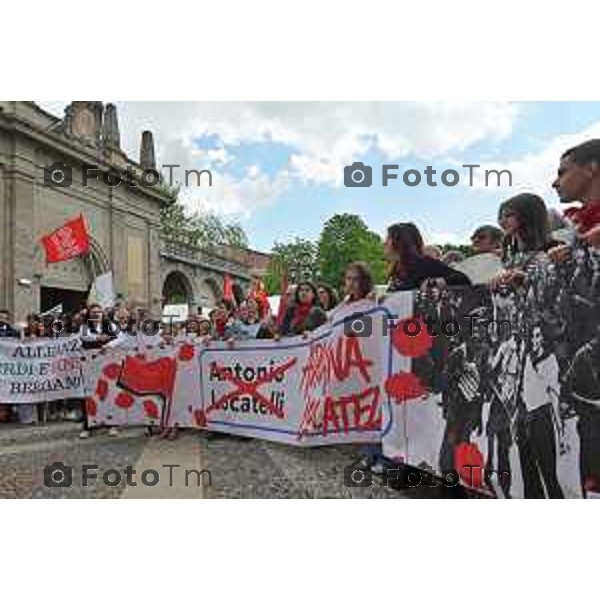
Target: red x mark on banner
[{"x": 250, "y": 388}]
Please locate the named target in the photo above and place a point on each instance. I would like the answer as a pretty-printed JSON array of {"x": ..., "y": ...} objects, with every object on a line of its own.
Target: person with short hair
[
  {"x": 433, "y": 251},
  {"x": 578, "y": 180},
  {"x": 485, "y": 264},
  {"x": 487, "y": 238},
  {"x": 453, "y": 257},
  {"x": 247, "y": 323}
]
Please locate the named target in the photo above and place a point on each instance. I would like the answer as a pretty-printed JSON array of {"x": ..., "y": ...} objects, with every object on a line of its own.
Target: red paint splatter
[
  {"x": 418, "y": 343},
  {"x": 405, "y": 386},
  {"x": 124, "y": 400},
  {"x": 102, "y": 389},
  {"x": 186, "y": 352},
  {"x": 469, "y": 463},
  {"x": 151, "y": 409},
  {"x": 91, "y": 407},
  {"x": 199, "y": 418},
  {"x": 112, "y": 371}
]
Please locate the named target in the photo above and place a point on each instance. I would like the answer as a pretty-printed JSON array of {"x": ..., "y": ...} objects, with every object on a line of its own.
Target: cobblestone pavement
[{"x": 239, "y": 468}]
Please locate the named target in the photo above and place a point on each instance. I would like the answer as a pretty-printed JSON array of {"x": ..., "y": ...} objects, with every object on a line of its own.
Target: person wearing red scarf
[
  {"x": 305, "y": 314},
  {"x": 578, "y": 180}
]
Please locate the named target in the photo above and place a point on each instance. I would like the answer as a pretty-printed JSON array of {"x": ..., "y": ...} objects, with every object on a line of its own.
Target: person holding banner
[
  {"x": 327, "y": 297},
  {"x": 358, "y": 287},
  {"x": 247, "y": 323},
  {"x": 306, "y": 313},
  {"x": 410, "y": 267},
  {"x": 94, "y": 336}
]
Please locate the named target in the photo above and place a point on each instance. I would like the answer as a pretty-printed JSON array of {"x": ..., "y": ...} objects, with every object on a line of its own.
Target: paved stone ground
[{"x": 239, "y": 467}]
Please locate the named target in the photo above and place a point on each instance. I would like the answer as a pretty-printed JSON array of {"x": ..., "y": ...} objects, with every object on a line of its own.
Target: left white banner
[{"x": 40, "y": 370}]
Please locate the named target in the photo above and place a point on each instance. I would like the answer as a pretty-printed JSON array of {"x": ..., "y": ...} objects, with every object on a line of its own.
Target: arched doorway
[{"x": 177, "y": 289}]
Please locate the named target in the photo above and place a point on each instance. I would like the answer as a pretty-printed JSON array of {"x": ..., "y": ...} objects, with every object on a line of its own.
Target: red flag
[
  {"x": 153, "y": 377},
  {"x": 227, "y": 287},
  {"x": 68, "y": 241}
]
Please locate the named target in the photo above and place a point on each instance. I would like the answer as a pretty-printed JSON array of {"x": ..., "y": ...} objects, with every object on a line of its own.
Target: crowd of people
[{"x": 529, "y": 244}]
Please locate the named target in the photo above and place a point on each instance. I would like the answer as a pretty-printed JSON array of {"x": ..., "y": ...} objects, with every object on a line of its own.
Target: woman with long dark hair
[
  {"x": 524, "y": 220},
  {"x": 306, "y": 313},
  {"x": 410, "y": 267},
  {"x": 328, "y": 297}
]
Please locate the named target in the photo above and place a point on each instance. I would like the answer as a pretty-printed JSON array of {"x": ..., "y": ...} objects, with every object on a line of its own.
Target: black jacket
[
  {"x": 427, "y": 268},
  {"x": 315, "y": 318}
]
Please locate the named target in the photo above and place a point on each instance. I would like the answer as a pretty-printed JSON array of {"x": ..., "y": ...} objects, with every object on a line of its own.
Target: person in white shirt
[{"x": 540, "y": 423}]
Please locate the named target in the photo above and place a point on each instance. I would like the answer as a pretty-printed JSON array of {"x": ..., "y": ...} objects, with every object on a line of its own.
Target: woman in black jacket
[
  {"x": 410, "y": 268},
  {"x": 305, "y": 314}
]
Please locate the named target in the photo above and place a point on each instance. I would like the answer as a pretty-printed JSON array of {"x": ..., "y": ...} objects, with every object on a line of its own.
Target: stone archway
[{"x": 177, "y": 289}]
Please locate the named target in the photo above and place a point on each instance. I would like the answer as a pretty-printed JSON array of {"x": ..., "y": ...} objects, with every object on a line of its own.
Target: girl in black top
[{"x": 410, "y": 268}]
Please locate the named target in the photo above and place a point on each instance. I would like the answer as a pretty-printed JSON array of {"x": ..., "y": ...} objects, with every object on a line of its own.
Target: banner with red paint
[
  {"x": 325, "y": 389},
  {"x": 494, "y": 392},
  {"x": 129, "y": 386}
]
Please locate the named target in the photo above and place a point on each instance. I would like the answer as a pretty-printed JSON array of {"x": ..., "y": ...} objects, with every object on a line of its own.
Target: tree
[
  {"x": 293, "y": 261},
  {"x": 465, "y": 249},
  {"x": 345, "y": 238},
  {"x": 199, "y": 229}
]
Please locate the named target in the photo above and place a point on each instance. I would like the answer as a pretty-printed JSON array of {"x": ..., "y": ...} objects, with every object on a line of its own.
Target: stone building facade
[{"x": 123, "y": 221}]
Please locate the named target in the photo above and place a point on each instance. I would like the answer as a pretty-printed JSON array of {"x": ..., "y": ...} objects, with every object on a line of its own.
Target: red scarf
[
  {"x": 300, "y": 313},
  {"x": 586, "y": 217}
]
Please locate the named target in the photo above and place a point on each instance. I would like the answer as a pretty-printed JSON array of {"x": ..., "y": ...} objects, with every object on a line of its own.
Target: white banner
[
  {"x": 325, "y": 388},
  {"x": 40, "y": 370}
]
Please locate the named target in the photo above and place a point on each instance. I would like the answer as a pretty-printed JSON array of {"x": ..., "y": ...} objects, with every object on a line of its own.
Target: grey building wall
[{"x": 124, "y": 223}]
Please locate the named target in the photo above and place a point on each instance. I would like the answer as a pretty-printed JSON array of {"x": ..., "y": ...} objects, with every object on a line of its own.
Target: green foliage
[
  {"x": 465, "y": 249},
  {"x": 200, "y": 229},
  {"x": 345, "y": 238},
  {"x": 296, "y": 260}
]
